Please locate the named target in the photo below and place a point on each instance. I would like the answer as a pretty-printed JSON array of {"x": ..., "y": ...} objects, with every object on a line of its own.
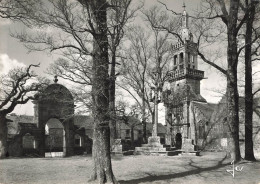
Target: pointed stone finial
[
  {"x": 184, "y": 6},
  {"x": 55, "y": 79}
]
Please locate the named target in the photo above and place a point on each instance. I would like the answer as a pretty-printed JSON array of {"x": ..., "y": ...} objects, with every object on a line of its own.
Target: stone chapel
[
  {"x": 193, "y": 123},
  {"x": 187, "y": 112}
]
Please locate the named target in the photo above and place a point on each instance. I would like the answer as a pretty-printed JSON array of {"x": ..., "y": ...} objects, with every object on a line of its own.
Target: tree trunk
[
  {"x": 112, "y": 122},
  {"x": 232, "y": 91},
  {"x": 233, "y": 99},
  {"x": 100, "y": 96},
  {"x": 144, "y": 118},
  {"x": 249, "y": 147},
  {"x": 132, "y": 137},
  {"x": 144, "y": 132},
  {"x": 233, "y": 118},
  {"x": 3, "y": 136}
]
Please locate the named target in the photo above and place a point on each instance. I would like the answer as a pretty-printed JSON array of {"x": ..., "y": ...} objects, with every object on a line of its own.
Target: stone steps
[
  {"x": 173, "y": 153},
  {"x": 191, "y": 153},
  {"x": 154, "y": 153},
  {"x": 171, "y": 148},
  {"x": 149, "y": 149},
  {"x": 153, "y": 145},
  {"x": 158, "y": 153},
  {"x": 167, "y": 153}
]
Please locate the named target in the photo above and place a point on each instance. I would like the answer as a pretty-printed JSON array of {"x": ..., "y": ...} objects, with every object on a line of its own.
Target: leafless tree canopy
[{"x": 18, "y": 87}]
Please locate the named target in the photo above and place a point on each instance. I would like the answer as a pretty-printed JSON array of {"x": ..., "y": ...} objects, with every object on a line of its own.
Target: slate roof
[
  {"x": 176, "y": 96},
  {"x": 132, "y": 121},
  {"x": 161, "y": 128},
  {"x": 205, "y": 108},
  {"x": 17, "y": 122},
  {"x": 220, "y": 112},
  {"x": 80, "y": 121},
  {"x": 27, "y": 125},
  {"x": 87, "y": 122},
  {"x": 20, "y": 118},
  {"x": 84, "y": 121}
]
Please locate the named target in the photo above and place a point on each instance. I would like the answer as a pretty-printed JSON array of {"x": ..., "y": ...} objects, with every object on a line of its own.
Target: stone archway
[
  {"x": 54, "y": 136},
  {"x": 57, "y": 102}
]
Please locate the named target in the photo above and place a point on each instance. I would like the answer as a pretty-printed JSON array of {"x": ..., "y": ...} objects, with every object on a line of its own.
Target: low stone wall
[{"x": 15, "y": 147}]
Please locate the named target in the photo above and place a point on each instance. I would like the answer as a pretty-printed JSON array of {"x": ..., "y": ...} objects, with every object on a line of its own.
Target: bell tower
[
  {"x": 183, "y": 84},
  {"x": 185, "y": 64}
]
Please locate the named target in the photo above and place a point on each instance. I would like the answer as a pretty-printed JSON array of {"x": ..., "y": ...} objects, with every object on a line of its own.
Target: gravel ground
[{"x": 209, "y": 168}]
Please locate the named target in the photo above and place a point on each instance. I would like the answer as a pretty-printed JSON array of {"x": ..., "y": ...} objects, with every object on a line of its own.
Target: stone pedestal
[
  {"x": 152, "y": 147},
  {"x": 188, "y": 146},
  {"x": 168, "y": 140},
  {"x": 154, "y": 141}
]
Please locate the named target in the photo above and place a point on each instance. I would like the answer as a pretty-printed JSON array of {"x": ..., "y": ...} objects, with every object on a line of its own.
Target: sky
[{"x": 13, "y": 53}]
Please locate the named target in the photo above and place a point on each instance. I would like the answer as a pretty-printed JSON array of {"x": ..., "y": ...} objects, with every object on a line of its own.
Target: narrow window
[
  {"x": 181, "y": 57},
  {"x": 175, "y": 60}
]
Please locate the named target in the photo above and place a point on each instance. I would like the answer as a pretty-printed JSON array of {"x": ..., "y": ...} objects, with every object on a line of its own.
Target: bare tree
[
  {"x": 250, "y": 6},
  {"x": 229, "y": 16},
  {"x": 135, "y": 69},
  {"x": 145, "y": 64},
  {"x": 78, "y": 69},
  {"x": 118, "y": 18},
  {"x": 100, "y": 91},
  {"x": 17, "y": 87},
  {"x": 78, "y": 30},
  {"x": 17, "y": 10}
]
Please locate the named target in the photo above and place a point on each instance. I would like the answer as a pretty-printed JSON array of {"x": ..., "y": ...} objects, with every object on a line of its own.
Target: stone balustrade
[
  {"x": 186, "y": 72},
  {"x": 177, "y": 45}
]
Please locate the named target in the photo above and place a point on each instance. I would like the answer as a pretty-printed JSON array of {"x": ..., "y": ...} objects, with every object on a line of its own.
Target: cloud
[
  {"x": 6, "y": 63},
  {"x": 4, "y": 22}
]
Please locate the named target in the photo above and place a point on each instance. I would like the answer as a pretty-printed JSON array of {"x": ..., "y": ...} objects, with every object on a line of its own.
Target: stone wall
[
  {"x": 15, "y": 146},
  {"x": 28, "y": 142},
  {"x": 195, "y": 85}
]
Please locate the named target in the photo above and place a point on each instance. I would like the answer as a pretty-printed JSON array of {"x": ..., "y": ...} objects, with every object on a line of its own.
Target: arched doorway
[
  {"x": 79, "y": 144},
  {"x": 178, "y": 140},
  {"x": 54, "y": 138},
  {"x": 78, "y": 140},
  {"x": 55, "y": 102}
]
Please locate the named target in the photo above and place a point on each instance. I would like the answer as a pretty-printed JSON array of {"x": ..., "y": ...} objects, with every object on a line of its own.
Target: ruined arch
[
  {"x": 57, "y": 102},
  {"x": 54, "y": 136}
]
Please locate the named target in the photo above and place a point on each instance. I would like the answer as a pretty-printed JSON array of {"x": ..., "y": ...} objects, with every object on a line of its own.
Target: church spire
[
  {"x": 184, "y": 17},
  {"x": 184, "y": 6},
  {"x": 185, "y": 32}
]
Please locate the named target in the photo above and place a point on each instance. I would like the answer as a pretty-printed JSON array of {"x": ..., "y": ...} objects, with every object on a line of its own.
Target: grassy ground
[{"x": 209, "y": 168}]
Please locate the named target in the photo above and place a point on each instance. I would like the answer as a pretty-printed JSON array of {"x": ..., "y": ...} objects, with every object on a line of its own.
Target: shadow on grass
[{"x": 197, "y": 170}]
